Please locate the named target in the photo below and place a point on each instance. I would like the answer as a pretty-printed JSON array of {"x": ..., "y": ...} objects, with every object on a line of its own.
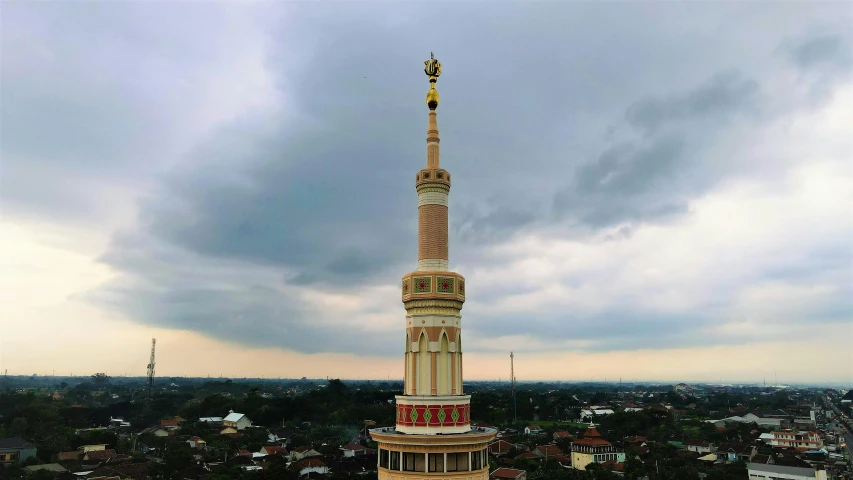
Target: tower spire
[{"x": 433, "y": 70}]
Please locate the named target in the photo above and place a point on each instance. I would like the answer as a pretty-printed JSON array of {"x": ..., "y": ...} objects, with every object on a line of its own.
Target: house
[
  {"x": 548, "y": 451},
  {"x": 91, "y": 448},
  {"x": 308, "y": 466},
  {"x": 561, "y": 435},
  {"x": 776, "y": 422},
  {"x": 15, "y": 450},
  {"x": 170, "y": 424},
  {"x": 593, "y": 449},
  {"x": 196, "y": 442},
  {"x": 99, "y": 455},
  {"x": 500, "y": 448},
  {"x": 69, "y": 456},
  {"x": 160, "y": 432},
  {"x": 508, "y": 473},
  {"x": 588, "y": 415},
  {"x": 302, "y": 452},
  {"x": 792, "y": 439},
  {"x": 355, "y": 450},
  {"x": 274, "y": 450},
  {"x": 210, "y": 419},
  {"x": 533, "y": 430},
  {"x": 730, "y": 452},
  {"x": 759, "y": 471},
  {"x": 238, "y": 421},
  {"x": 50, "y": 467},
  {"x": 699, "y": 446}
]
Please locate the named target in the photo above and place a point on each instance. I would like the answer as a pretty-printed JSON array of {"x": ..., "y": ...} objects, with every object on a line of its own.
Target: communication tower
[
  {"x": 512, "y": 384},
  {"x": 149, "y": 387}
]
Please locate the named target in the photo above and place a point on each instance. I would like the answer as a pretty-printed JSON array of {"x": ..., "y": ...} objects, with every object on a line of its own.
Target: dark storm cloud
[
  {"x": 588, "y": 110},
  {"x": 724, "y": 94},
  {"x": 823, "y": 50},
  {"x": 643, "y": 179}
]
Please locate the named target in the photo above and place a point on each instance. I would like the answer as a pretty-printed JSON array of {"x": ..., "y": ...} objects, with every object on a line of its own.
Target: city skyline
[{"x": 239, "y": 187}]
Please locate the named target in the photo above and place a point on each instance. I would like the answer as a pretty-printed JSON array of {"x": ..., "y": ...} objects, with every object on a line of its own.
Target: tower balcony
[
  {"x": 432, "y": 176},
  {"x": 438, "y": 285}
]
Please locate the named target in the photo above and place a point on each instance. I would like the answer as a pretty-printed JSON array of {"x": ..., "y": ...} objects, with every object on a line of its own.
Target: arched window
[
  {"x": 423, "y": 365},
  {"x": 444, "y": 365}
]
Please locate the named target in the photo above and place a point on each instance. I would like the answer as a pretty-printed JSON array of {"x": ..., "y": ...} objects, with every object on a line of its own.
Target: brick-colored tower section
[{"x": 432, "y": 232}]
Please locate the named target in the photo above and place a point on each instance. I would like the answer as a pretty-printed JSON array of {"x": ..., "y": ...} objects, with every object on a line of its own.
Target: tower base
[{"x": 451, "y": 456}]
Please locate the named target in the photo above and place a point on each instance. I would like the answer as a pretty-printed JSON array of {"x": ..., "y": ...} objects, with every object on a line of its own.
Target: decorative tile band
[{"x": 434, "y": 415}]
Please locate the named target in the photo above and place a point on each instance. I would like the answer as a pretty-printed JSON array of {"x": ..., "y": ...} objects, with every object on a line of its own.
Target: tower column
[{"x": 433, "y": 416}]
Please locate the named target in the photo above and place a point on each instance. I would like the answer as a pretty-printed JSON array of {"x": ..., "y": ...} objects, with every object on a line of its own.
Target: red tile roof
[
  {"x": 68, "y": 455},
  {"x": 591, "y": 432},
  {"x": 100, "y": 454},
  {"x": 506, "y": 473},
  {"x": 353, "y": 446},
  {"x": 549, "y": 450},
  {"x": 169, "y": 423},
  {"x": 591, "y": 442},
  {"x": 500, "y": 447},
  {"x": 274, "y": 450},
  {"x": 309, "y": 462},
  {"x": 562, "y": 434}
]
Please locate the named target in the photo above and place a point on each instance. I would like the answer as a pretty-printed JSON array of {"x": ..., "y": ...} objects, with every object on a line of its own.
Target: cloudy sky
[{"x": 641, "y": 190}]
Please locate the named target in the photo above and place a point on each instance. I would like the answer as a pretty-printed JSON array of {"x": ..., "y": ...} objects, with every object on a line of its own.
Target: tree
[{"x": 100, "y": 379}]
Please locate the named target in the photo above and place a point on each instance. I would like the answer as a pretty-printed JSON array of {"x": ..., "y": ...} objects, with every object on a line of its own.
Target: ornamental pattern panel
[
  {"x": 406, "y": 286},
  {"x": 445, "y": 284},
  {"x": 433, "y": 415},
  {"x": 423, "y": 284}
]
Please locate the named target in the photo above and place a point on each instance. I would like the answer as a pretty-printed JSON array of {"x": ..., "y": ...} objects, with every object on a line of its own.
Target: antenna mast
[
  {"x": 150, "y": 386},
  {"x": 512, "y": 384}
]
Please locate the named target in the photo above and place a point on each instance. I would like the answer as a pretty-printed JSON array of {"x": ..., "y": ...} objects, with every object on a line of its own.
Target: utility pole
[
  {"x": 512, "y": 384},
  {"x": 150, "y": 386}
]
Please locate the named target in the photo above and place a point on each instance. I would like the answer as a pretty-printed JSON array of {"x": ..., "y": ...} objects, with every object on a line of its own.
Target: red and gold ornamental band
[{"x": 433, "y": 437}]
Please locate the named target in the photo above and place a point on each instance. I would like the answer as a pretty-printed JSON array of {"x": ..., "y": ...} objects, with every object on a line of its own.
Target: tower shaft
[{"x": 433, "y": 433}]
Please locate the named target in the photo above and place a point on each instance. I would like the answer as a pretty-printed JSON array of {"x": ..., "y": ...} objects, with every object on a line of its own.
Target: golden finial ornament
[{"x": 432, "y": 68}]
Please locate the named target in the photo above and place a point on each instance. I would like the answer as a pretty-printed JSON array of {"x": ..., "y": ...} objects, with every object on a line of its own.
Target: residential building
[
  {"x": 593, "y": 449},
  {"x": 548, "y": 451},
  {"x": 15, "y": 450},
  {"x": 699, "y": 446},
  {"x": 731, "y": 452},
  {"x": 310, "y": 465},
  {"x": 500, "y": 448},
  {"x": 50, "y": 467},
  {"x": 98, "y": 455},
  {"x": 796, "y": 439},
  {"x": 433, "y": 433},
  {"x": 759, "y": 471},
  {"x": 508, "y": 473},
  {"x": 237, "y": 421},
  {"x": 589, "y": 415},
  {"x": 356, "y": 450},
  {"x": 170, "y": 424},
  {"x": 302, "y": 452},
  {"x": 196, "y": 442},
  {"x": 274, "y": 450},
  {"x": 533, "y": 430},
  {"x": 91, "y": 448}
]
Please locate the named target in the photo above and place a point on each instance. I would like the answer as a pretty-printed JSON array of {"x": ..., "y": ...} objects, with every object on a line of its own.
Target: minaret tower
[{"x": 433, "y": 434}]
